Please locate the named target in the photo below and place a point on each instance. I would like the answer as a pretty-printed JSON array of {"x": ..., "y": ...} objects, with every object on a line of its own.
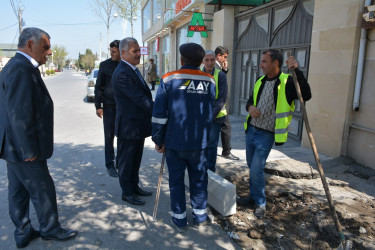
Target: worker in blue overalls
[{"x": 181, "y": 124}]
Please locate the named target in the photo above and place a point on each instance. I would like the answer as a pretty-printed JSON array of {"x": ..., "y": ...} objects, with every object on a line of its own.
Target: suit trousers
[
  {"x": 129, "y": 161},
  {"x": 109, "y": 117},
  {"x": 226, "y": 134},
  {"x": 31, "y": 180}
]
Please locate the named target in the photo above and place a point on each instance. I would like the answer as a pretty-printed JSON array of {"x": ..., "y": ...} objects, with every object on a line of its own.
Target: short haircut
[
  {"x": 124, "y": 44},
  {"x": 209, "y": 52},
  {"x": 33, "y": 34},
  {"x": 220, "y": 50},
  {"x": 114, "y": 44},
  {"x": 275, "y": 55},
  {"x": 152, "y": 60}
]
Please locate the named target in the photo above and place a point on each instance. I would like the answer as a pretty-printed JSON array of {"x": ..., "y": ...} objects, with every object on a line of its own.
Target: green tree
[
  {"x": 87, "y": 61},
  {"x": 128, "y": 9},
  {"x": 59, "y": 55}
]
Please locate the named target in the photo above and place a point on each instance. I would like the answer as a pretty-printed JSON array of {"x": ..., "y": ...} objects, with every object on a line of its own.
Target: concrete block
[{"x": 221, "y": 193}]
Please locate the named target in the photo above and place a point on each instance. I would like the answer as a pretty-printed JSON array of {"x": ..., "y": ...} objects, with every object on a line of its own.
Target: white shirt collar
[
  {"x": 131, "y": 65},
  {"x": 32, "y": 60},
  {"x": 218, "y": 65}
]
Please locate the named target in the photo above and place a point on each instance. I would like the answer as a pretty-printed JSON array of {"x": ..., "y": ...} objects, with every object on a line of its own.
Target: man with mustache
[{"x": 26, "y": 140}]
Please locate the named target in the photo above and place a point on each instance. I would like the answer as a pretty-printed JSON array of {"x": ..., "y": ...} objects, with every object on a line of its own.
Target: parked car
[{"x": 91, "y": 85}]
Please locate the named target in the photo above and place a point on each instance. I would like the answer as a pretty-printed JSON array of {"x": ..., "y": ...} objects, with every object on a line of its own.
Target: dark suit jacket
[
  {"x": 26, "y": 112},
  {"x": 134, "y": 104},
  {"x": 103, "y": 86}
]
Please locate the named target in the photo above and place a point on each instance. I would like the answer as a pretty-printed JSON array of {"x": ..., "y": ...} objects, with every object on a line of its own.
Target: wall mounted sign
[
  {"x": 144, "y": 51},
  {"x": 181, "y": 4},
  {"x": 197, "y": 18},
  {"x": 157, "y": 44}
]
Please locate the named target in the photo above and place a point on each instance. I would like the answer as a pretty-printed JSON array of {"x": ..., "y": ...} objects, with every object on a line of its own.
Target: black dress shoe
[
  {"x": 230, "y": 157},
  {"x": 62, "y": 234},
  {"x": 142, "y": 192},
  {"x": 134, "y": 200},
  {"x": 22, "y": 242},
  {"x": 112, "y": 172}
]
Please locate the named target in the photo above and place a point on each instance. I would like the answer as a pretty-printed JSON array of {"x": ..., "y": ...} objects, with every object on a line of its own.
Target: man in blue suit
[
  {"x": 26, "y": 140},
  {"x": 133, "y": 119}
]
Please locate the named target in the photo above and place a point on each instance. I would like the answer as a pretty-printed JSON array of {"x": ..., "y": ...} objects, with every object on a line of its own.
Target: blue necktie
[{"x": 140, "y": 76}]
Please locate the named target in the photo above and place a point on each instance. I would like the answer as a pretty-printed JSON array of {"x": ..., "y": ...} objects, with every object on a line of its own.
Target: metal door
[{"x": 282, "y": 25}]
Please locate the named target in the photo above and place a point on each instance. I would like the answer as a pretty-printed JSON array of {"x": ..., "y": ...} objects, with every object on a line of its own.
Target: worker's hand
[
  {"x": 99, "y": 113},
  {"x": 292, "y": 63},
  {"x": 253, "y": 111},
  {"x": 160, "y": 149},
  {"x": 225, "y": 65},
  {"x": 31, "y": 159}
]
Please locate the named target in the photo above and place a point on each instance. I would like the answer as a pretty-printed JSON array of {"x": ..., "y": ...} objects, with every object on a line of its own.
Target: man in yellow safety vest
[
  {"x": 270, "y": 108},
  {"x": 219, "y": 112}
]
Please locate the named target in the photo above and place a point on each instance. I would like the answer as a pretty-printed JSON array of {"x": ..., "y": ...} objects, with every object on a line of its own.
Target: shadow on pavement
[{"x": 89, "y": 200}]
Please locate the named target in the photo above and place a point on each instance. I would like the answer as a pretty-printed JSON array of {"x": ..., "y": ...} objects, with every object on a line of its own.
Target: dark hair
[
  {"x": 151, "y": 59},
  {"x": 191, "y": 62},
  {"x": 33, "y": 34},
  {"x": 275, "y": 55},
  {"x": 115, "y": 43},
  {"x": 220, "y": 50}
]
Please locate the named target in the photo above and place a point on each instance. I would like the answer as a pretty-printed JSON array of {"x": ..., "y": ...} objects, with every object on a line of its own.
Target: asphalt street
[{"x": 89, "y": 200}]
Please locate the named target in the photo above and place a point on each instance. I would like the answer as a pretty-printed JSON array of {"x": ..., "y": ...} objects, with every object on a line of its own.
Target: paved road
[{"x": 89, "y": 200}]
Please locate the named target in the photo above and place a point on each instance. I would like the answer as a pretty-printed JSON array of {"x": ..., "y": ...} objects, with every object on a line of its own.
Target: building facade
[{"x": 325, "y": 38}]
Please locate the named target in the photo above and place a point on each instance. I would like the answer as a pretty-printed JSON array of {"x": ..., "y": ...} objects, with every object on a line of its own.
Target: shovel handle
[
  {"x": 316, "y": 156},
  {"x": 159, "y": 185}
]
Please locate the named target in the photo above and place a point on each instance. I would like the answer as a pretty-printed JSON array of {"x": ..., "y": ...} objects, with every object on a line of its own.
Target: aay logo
[{"x": 195, "y": 87}]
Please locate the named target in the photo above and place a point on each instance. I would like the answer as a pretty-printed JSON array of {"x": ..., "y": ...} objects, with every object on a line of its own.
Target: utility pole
[
  {"x": 100, "y": 48},
  {"x": 18, "y": 13},
  {"x": 20, "y": 19}
]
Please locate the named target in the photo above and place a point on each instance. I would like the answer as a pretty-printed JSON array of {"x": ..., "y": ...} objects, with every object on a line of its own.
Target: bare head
[
  {"x": 114, "y": 50},
  {"x": 271, "y": 62},
  {"x": 221, "y": 54},
  {"x": 130, "y": 51},
  {"x": 209, "y": 61},
  {"x": 36, "y": 43}
]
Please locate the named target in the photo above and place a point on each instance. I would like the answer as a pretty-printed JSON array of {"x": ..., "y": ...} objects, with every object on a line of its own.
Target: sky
[{"x": 70, "y": 23}]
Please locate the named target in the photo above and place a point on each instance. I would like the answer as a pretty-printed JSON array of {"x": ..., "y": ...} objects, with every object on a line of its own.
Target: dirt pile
[{"x": 300, "y": 218}]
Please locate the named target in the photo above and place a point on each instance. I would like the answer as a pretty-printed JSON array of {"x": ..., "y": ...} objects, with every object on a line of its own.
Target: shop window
[
  {"x": 182, "y": 38},
  {"x": 166, "y": 55},
  {"x": 157, "y": 10},
  {"x": 146, "y": 17}
]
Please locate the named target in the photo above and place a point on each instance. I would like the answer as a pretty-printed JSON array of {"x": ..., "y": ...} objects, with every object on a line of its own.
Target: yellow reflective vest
[
  {"x": 223, "y": 111},
  {"x": 284, "y": 111}
]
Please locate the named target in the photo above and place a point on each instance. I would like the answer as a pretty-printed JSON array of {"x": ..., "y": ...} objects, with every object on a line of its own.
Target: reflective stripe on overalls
[{"x": 284, "y": 111}]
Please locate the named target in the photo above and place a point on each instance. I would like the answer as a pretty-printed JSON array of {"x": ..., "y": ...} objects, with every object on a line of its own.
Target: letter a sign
[{"x": 194, "y": 27}]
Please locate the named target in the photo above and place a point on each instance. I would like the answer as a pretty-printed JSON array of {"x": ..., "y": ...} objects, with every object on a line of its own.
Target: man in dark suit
[
  {"x": 106, "y": 106},
  {"x": 26, "y": 140},
  {"x": 133, "y": 119}
]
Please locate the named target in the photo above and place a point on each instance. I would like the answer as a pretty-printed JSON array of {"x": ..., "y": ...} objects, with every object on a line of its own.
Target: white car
[{"x": 91, "y": 85}]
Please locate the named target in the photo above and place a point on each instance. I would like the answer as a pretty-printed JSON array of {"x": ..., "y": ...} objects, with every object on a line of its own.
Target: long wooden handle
[
  {"x": 317, "y": 159},
  {"x": 159, "y": 185}
]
